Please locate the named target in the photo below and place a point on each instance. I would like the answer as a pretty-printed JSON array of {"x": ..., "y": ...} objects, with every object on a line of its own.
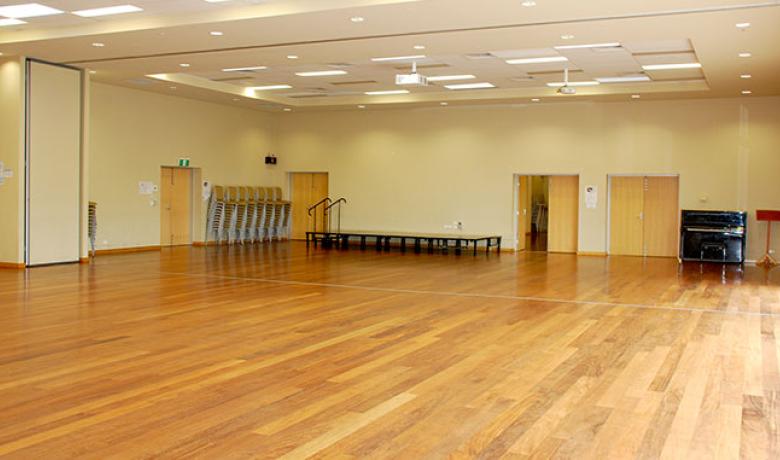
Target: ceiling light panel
[
  {"x": 559, "y": 84},
  {"x": 537, "y": 60},
  {"x": 245, "y": 69},
  {"x": 387, "y": 93},
  {"x": 321, "y": 73},
  {"x": 10, "y": 22},
  {"x": 27, "y": 10},
  {"x": 107, "y": 11},
  {"x": 484, "y": 85},
  {"x": 451, "y": 77},
  {"x": 399, "y": 58},
  {"x": 593, "y": 45}
]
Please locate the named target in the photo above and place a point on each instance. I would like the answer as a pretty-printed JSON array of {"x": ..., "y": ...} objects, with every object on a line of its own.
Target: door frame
[
  {"x": 516, "y": 202},
  {"x": 609, "y": 199},
  {"x": 195, "y": 208}
]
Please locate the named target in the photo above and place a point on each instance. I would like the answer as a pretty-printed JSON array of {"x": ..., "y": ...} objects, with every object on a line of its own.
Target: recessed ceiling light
[
  {"x": 742, "y": 25},
  {"x": 245, "y": 69},
  {"x": 528, "y": 3},
  {"x": 321, "y": 73},
  {"x": 235, "y": 99},
  {"x": 287, "y": 109},
  {"x": 746, "y": 92},
  {"x": 357, "y": 19},
  {"x": 451, "y": 77},
  {"x": 184, "y": 65},
  {"x": 635, "y": 96},
  {"x": 91, "y": 72},
  {"x": 216, "y": 33},
  {"x": 539, "y": 60},
  {"x": 444, "y": 103},
  {"x": 216, "y": 1},
  {"x": 107, "y": 11},
  {"x": 484, "y": 85},
  {"x": 10, "y": 22},
  {"x": 172, "y": 87},
  {"x": 398, "y": 58},
  {"x": 269, "y": 87},
  {"x": 98, "y": 44},
  {"x": 686, "y": 65},
  {"x": 559, "y": 84},
  {"x": 744, "y": 55},
  {"x": 292, "y": 56},
  {"x": 384, "y": 93},
  {"x": 27, "y": 10},
  {"x": 567, "y": 37},
  {"x": 745, "y": 76},
  {"x": 589, "y": 45},
  {"x": 536, "y": 99},
  {"x": 626, "y": 79},
  {"x": 361, "y": 106},
  {"x": 419, "y": 47}
]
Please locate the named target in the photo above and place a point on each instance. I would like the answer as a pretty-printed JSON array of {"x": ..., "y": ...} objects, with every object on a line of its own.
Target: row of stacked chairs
[{"x": 247, "y": 214}]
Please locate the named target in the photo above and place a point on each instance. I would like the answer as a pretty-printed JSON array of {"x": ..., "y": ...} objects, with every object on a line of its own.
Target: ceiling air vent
[{"x": 479, "y": 56}]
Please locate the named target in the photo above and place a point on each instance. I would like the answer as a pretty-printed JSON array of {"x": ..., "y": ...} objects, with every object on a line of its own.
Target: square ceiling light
[{"x": 27, "y": 10}]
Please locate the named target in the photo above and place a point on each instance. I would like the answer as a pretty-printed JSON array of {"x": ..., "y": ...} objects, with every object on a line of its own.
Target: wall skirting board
[
  {"x": 11, "y": 266},
  {"x": 101, "y": 252}
]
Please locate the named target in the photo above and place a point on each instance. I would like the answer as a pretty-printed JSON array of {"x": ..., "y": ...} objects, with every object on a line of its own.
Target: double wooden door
[
  {"x": 563, "y": 213},
  {"x": 643, "y": 215},
  {"x": 175, "y": 206},
  {"x": 306, "y": 190}
]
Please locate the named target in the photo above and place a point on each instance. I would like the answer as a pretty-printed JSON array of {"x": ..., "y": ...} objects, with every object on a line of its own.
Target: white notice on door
[{"x": 591, "y": 196}]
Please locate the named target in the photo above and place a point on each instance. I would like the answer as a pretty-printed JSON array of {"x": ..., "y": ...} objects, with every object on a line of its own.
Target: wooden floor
[{"x": 278, "y": 352}]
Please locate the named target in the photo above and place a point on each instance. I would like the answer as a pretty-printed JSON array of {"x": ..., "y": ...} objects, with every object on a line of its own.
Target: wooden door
[
  {"x": 626, "y": 207},
  {"x": 564, "y": 206},
  {"x": 523, "y": 211},
  {"x": 175, "y": 206},
  {"x": 661, "y": 216},
  {"x": 305, "y": 190}
]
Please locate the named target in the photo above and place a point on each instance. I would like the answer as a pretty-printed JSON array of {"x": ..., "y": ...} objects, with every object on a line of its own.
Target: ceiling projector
[
  {"x": 567, "y": 90},
  {"x": 413, "y": 79}
]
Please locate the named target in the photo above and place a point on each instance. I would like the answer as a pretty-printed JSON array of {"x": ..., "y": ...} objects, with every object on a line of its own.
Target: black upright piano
[{"x": 713, "y": 236}]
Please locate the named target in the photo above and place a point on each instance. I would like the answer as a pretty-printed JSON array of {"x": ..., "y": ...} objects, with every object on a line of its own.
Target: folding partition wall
[{"x": 53, "y": 158}]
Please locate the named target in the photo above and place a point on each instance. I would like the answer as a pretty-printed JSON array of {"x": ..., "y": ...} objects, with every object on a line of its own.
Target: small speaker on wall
[{"x": 270, "y": 160}]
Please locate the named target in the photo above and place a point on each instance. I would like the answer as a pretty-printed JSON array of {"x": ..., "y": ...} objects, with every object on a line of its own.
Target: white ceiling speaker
[{"x": 566, "y": 89}]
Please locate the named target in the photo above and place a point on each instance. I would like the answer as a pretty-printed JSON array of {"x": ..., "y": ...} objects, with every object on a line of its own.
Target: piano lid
[{"x": 708, "y": 218}]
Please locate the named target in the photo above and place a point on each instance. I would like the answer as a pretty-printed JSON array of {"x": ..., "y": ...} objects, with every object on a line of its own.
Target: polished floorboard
[{"x": 278, "y": 352}]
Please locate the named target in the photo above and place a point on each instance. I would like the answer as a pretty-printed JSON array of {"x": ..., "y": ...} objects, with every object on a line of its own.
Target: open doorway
[
  {"x": 533, "y": 215},
  {"x": 547, "y": 213}
]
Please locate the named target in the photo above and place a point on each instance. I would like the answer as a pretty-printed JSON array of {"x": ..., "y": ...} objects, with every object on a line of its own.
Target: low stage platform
[{"x": 381, "y": 240}]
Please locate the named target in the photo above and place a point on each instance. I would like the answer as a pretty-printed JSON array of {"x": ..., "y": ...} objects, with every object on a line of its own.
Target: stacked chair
[
  {"x": 92, "y": 225},
  {"x": 247, "y": 214}
]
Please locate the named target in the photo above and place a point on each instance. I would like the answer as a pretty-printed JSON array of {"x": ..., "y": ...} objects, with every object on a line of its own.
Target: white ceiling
[{"x": 460, "y": 37}]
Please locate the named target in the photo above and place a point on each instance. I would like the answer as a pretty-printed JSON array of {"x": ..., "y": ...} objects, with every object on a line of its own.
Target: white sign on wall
[
  {"x": 5, "y": 173},
  {"x": 145, "y": 188},
  {"x": 591, "y": 196}
]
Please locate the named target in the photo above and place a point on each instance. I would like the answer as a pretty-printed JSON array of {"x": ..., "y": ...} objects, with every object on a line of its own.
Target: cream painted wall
[
  {"x": 133, "y": 133},
  {"x": 424, "y": 168},
  {"x": 12, "y": 156}
]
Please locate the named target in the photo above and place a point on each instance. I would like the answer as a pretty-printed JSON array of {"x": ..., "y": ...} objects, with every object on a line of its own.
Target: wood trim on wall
[
  {"x": 12, "y": 266},
  {"x": 100, "y": 252}
]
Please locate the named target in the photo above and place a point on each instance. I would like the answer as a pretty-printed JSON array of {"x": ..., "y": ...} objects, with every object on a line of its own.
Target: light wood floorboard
[{"x": 275, "y": 351}]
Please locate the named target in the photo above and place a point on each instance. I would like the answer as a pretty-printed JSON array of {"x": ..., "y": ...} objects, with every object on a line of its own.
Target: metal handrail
[
  {"x": 330, "y": 214},
  {"x": 314, "y": 206},
  {"x": 324, "y": 213}
]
